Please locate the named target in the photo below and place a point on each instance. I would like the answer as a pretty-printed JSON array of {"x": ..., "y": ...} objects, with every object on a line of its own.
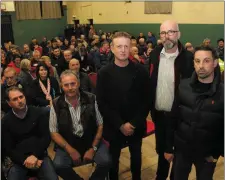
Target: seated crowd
[{"x": 47, "y": 94}]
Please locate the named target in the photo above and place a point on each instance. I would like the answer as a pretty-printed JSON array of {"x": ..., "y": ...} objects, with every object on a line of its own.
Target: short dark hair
[
  {"x": 42, "y": 64},
  {"x": 221, "y": 39},
  {"x": 207, "y": 48},
  {"x": 12, "y": 88}
]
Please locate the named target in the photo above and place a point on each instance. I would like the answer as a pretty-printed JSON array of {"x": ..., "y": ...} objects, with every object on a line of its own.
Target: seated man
[
  {"x": 26, "y": 138},
  {"x": 10, "y": 80},
  {"x": 85, "y": 82},
  {"x": 76, "y": 127}
]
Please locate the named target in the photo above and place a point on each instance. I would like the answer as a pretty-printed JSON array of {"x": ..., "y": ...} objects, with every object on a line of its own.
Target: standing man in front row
[
  {"x": 76, "y": 128},
  {"x": 197, "y": 119},
  {"x": 169, "y": 63},
  {"x": 122, "y": 95}
]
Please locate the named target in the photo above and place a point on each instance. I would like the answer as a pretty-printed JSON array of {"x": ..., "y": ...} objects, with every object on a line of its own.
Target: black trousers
[
  {"x": 160, "y": 135},
  {"x": 134, "y": 144},
  {"x": 182, "y": 168}
]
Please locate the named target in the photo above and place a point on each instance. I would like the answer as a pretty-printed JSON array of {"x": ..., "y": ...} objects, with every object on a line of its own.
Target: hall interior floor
[{"x": 149, "y": 163}]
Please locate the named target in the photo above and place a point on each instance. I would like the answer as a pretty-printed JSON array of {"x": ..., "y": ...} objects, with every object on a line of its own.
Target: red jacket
[{"x": 12, "y": 65}]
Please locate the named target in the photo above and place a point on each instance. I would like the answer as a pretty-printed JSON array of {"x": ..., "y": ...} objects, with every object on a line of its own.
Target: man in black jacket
[
  {"x": 122, "y": 94},
  {"x": 26, "y": 138},
  {"x": 196, "y": 121},
  {"x": 169, "y": 63},
  {"x": 85, "y": 82}
]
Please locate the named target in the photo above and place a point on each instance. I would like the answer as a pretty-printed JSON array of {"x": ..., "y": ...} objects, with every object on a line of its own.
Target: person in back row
[
  {"x": 45, "y": 87},
  {"x": 85, "y": 82}
]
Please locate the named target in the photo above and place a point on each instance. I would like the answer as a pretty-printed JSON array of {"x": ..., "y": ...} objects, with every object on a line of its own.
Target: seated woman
[
  {"x": 52, "y": 69},
  {"x": 45, "y": 88}
]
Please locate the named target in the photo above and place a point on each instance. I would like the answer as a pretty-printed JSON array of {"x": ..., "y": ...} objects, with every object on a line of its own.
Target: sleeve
[
  {"x": 110, "y": 115},
  {"x": 8, "y": 145},
  {"x": 53, "y": 126},
  {"x": 97, "y": 60},
  {"x": 44, "y": 134},
  {"x": 171, "y": 125},
  {"x": 99, "y": 119},
  {"x": 39, "y": 101}
]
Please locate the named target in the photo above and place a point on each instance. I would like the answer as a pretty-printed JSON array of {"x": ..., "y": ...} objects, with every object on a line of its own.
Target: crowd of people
[{"x": 47, "y": 95}]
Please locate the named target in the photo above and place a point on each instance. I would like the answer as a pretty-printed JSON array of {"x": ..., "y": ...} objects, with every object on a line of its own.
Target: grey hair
[{"x": 69, "y": 73}]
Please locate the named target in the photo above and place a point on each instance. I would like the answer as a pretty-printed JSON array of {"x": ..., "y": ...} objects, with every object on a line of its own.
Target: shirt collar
[
  {"x": 66, "y": 100},
  {"x": 172, "y": 54},
  {"x": 20, "y": 116}
]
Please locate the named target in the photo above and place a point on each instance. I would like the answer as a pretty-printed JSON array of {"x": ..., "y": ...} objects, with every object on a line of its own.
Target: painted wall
[
  {"x": 121, "y": 12},
  {"x": 197, "y": 20},
  {"x": 9, "y": 6},
  {"x": 24, "y": 30}
]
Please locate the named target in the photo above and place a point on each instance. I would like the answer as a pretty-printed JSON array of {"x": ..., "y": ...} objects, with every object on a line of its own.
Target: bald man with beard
[{"x": 169, "y": 63}]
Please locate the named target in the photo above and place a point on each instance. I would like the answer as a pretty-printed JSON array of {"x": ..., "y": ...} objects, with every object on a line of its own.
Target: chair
[{"x": 93, "y": 78}]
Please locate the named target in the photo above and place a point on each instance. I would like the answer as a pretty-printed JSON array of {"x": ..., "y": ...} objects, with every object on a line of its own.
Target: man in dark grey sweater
[{"x": 26, "y": 138}]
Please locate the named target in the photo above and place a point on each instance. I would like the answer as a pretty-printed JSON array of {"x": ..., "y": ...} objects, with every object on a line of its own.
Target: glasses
[{"x": 170, "y": 33}]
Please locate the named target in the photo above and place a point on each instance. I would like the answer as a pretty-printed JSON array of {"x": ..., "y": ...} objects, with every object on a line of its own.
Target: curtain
[
  {"x": 51, "y": 10},
  {"x": 27, "y": 10},
  {"x": 158, "y": 7}
]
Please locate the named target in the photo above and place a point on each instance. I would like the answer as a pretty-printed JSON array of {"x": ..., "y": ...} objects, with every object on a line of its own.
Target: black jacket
[
  {"x": 85, "y": 83},
  {"x": 25, "y": 137},
  {"x": 183, "y": 67},
  {"x": 197, "y": 118},
  {"x": 26, "y": 80},
  {"x": 39, "y": 98},
  {"x": 88, "y": 119},
  {"x": 118, "y": 107}
]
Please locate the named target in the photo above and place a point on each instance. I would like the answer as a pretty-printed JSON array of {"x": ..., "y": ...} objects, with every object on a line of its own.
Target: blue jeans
[
  {"x": 45, "y": 172},
  {"x": 64, "y": 164}
]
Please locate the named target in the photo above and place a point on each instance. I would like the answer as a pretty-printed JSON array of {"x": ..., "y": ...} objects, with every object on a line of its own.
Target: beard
[
  {"x": 202, "y": 74},
  {"x": 169, "y": 44}
]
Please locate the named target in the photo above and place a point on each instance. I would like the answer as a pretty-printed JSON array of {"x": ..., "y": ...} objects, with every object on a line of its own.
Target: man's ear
[
  {"x": 112, "y": 48},
  {"x": 215, "y": 63},
  {"x": 179, "y": 34},
  {"x": 8, "y": 103}
]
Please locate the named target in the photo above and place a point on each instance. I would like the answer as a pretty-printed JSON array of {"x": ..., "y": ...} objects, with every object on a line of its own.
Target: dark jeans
[
  {"x": 160, "y": 136},
  {"x": 45, "y": 172},
  {"x": 183, "y": 164},
  {"x": 134, "y": 144},
  {"x": 64, "y": 164}
]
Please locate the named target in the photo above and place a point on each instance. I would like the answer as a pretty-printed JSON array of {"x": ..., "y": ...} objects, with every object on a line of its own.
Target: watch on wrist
[{"x": 95, "y": 148}]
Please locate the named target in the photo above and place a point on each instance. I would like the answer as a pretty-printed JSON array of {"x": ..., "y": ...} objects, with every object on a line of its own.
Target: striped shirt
[
  {"x": 75, "y": 115},
  {"x": 166, "y": 81}
]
